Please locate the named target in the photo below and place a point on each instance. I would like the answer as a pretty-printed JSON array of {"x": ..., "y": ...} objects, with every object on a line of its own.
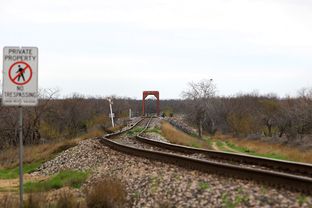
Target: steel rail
[
  {"x": 274, "y": 178},
  {"x": 125, "y": 130},
  {"x": 293, "y": 182},
  {"x": 294, "y": 167}
]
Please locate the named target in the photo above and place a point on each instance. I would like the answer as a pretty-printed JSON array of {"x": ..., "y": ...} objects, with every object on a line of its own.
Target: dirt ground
[{"x": 12, "y": 185}]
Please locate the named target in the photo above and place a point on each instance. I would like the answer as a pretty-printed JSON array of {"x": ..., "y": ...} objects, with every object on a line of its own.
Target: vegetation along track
[{"x": 268, "y": 176}]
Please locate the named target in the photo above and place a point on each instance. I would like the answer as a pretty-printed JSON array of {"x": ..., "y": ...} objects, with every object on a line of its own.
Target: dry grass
[
  {"x": 34, "y": 201},
  {"x": 41, "y": 200},
  {"x": 67, "y": 200},
  {"x": 32, "y": 153},
  {"x": 110, "y": 192},
  {"x": 178, "y": 137},
  {"x": 93, "y": 133},
  {"x": 263, "y": 148},
  {"x": 30, "y": 201},
  {"x": 9, "y": 201},
  {"x": 42, "y": 152},
  {"x": 114, "y": 129}
]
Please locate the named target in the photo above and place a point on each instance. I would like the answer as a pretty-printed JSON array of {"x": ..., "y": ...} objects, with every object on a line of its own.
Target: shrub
[
  {"x": 67, "y": 200},
  {"x": 107, "y": 193},
  {"x": 241, "y": 124}
]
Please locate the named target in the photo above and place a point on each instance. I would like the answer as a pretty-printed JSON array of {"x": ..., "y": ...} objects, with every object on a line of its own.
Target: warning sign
[{"x": 20, "y": 76}]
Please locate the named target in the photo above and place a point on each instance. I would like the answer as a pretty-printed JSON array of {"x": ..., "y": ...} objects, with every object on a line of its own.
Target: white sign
[
  {"x": 111, "y": 115},
  {"x": 20, "y": 76}
]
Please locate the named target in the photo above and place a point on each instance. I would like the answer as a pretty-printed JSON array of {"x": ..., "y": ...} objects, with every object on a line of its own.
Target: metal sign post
[
  {"x": 20, "y": 88},
  {"x": 21, "y": 151}
]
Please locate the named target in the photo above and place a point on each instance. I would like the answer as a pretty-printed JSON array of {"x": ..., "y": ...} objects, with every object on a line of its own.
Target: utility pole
[{"x": 111, "y": 111}]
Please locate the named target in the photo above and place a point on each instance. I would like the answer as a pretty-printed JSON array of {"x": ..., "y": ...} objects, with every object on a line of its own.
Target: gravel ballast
[{"x": 155, "y": 184}]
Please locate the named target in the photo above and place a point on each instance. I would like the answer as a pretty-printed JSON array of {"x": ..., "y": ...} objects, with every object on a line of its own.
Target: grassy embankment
[
  {"x": 224, "y": 143},
  {"x": 107, "y": 193},
  {"x": 179, "y": 137},
  {"x": 35, "y": 155},
  {"x": 38, "y": 190},
  {"x": 260, "y": 148}
]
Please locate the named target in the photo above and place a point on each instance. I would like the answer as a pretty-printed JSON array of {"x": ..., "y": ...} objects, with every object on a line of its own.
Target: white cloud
[
  {"x": 269, "y": 23},
  {"x": 165, "y": 40}
]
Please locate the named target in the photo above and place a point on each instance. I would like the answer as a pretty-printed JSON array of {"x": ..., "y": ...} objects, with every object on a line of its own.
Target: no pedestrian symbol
[{"x": 20, "y": 73}]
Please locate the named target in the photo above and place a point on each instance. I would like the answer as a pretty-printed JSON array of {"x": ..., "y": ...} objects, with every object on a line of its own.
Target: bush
[
  {"x": 241, "y": 124},
  {"x": 107, "y": 193},
  {"x": 67, "y": 200}
]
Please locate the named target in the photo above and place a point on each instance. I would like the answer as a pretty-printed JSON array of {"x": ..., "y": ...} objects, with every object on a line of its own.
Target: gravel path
[{"x": 155, "y": 184}]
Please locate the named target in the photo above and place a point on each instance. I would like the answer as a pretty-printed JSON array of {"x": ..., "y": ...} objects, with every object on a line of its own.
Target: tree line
[
  {"x": 245, "y": 115},
  {"x": 248, "y": 114},
  {"x": 56, "y": 118}
]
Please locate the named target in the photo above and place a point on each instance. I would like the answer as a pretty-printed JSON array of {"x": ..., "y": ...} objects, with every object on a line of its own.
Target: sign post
[
  {"x": 21, "y": 151},
  {"x": 111, "y": 115},
  {"x": 20, "y": 88}
]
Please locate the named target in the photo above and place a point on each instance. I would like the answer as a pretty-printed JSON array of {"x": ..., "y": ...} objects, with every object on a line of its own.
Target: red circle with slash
[{"x": 14, "y": 77}]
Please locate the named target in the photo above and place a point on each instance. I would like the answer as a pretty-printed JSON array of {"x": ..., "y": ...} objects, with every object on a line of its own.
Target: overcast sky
[{"x": 122, "y": 47}]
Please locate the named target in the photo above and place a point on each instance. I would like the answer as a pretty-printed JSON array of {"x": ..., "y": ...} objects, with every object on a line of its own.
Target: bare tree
[
  {"x": 34, "y": 116},
  {"x": 270, "y": 109},
  {"x": 199, "y": 95}
]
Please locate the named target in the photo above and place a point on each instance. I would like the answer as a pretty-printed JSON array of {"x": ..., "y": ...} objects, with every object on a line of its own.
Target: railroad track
[
  {"x": 180, "y": 155},
  {"x": 297, "y": 168}
]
